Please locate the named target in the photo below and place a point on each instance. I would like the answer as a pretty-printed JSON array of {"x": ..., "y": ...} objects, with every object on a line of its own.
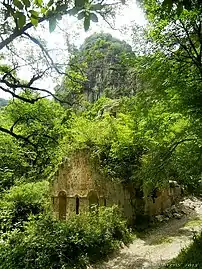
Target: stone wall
[
  {"x": 165, "y": 198},
  {"x": 78, "y": 184},
  {"x": 77, "y": 178}
]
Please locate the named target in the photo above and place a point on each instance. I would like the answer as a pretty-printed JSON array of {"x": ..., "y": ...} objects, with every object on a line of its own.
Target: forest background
[{"x": 136, "y": 108}]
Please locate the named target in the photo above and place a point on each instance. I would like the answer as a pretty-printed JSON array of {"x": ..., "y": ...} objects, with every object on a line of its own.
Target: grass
[
  {"x": 193, "y": 223},
  {"x": 162, "y": 240}
]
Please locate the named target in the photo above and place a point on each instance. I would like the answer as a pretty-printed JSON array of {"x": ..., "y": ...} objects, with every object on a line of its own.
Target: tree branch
[
  {"x": 26, "y": 86},
  {"x": 172, "y": 148},
  {"x": 17, "y": 136},
  {"x": 22, "y": 98},
  {"x": 189, "y": 38},
  {"x": 45, "y": 51},
  {"x": 18, "y": 33}
]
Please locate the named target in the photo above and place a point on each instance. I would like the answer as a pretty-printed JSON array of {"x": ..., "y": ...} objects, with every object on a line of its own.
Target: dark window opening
[
  {"x": 154, "y": 194},
  {"x": 62, "y": 205},
  {"x": 93, "y": 200},
  {"x": 77, "y": 205}
]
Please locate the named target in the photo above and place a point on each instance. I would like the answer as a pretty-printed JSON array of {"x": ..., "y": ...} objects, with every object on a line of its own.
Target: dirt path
[{"x": 160, "y": 245}]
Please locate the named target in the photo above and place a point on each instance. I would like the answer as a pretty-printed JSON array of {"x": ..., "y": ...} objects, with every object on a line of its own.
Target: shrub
[
  {"x": 19, "y": 202},
  {"x": 47, "y": 243}
]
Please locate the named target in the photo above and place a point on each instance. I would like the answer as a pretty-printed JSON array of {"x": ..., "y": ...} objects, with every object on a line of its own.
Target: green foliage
[
  {"x": 98, "y": 68},
  {"x": 132, "y": 142},
  {"x": 39, "y": 129},
  {"x": 139, "y": 117},
  {"x": 177, "y": 55},
  {"x": 169, "y": 93},
  {"x": 47, "y": 243},
  {"x": 24, "y": 12},
  {"x": 13, "y": 164},
  {"x": 20, "y": 202}
]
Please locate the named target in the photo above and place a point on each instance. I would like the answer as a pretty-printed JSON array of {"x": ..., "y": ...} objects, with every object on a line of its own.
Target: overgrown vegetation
[
  {"x": 47, "y": 243},
  {"x": 137, "y": 113}
]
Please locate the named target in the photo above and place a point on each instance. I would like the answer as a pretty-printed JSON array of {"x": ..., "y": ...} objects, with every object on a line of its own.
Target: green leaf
[
  {"x": 52, "y": 24},
  {"x": 73, "y": 11},
  {"x": 96, "y": 7},
  {"x": 18, "y": 4},
  {"x": 59, "y": 17},
  {"x": 61, "y": 8},
  {"x": 168, "y": 4},
  {"x": 34, "y": 14},
  {"x": 26, "y": 3},
  {"x": 93, "y": 17},
  {"x": 80, "y": 3},
  {"x": 21, "y": 21},
  {"x": 34, "y": 21},
  {"x": 81, "y": 15},
  {"x": 43, "y": 10},
  {"x": 39, "y": 2},
  {"x": 50, "y": 3},
  {"x": 87, "y": 23}
]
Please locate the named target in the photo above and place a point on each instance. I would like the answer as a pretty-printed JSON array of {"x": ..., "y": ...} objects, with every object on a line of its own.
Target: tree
[
  {"x": 30, "y": 141},
  {"x": 24, "y": 14},
  {"x": 176, "y": 59},
  {"x": 17, "y": 18},
  {"x": 171, "y": 74}
]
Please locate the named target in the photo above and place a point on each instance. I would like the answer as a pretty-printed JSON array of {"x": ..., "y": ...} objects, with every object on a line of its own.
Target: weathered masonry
[{"x": 78, "y": 185}]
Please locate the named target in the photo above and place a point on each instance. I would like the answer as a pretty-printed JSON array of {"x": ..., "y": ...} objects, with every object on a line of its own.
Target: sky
[{"x": 72, "y": 29}]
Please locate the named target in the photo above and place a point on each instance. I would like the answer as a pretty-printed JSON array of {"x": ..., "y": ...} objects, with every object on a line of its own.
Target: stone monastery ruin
[{"x": 77, "y": 185}]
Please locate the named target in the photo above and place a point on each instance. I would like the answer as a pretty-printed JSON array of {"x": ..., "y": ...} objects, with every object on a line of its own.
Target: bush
[
  {"x": 19, "y": 202},
  {"x": 47, "y": 243}
]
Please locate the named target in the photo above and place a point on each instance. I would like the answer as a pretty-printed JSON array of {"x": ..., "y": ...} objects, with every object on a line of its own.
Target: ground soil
[{"x": 153, "y": 249}]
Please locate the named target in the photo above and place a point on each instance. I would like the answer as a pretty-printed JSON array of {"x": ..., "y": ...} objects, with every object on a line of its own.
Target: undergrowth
[{"x": 47, "y": 243}]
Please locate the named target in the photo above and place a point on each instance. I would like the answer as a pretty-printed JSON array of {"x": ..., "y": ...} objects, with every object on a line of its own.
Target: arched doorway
[
  {"x": 93, "y": 199},
  {"x": 62, "y": 205}
]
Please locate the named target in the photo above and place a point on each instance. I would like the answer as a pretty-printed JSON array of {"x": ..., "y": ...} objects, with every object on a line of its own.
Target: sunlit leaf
[
  {"x": 39, "y": 2},
  {"x": 43, "y": 10},
  {"x": 34, "y": 21},
  {"x": 34, "y": 14}
]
